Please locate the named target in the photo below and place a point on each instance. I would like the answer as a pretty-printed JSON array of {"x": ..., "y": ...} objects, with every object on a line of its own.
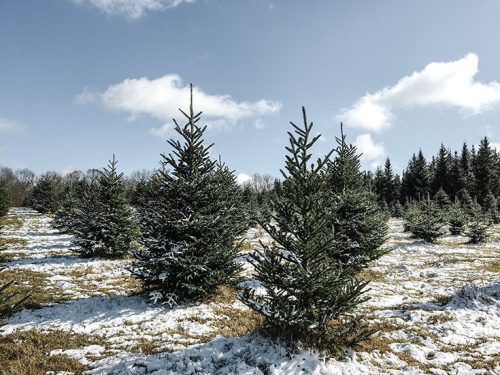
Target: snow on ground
[{"x": 437, "y": 308}]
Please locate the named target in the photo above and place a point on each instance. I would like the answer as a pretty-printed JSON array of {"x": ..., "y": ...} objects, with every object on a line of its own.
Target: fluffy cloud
[
  {"x": 242, "y": 178},
  {"x": 439, "y": 83},
  {"x": 162, "y": 97},
  {"x": 132, "y": 8},
  {"x": 372, "y": 152}
]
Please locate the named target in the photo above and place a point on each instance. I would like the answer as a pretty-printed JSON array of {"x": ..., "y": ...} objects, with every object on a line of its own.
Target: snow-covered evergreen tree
[
  {"x": 359, "y": 222},
  {"x": 46, "y": 195},
  {"x": 457, "y": 218},
  {"x": 191, "y": 221},
  {"x": 105, "y": 226},
  {"x": 478, "y": 228},
  {"x": 426, "y": 220},
  {"x": 442, "y": 199},
  {"x": 66, "y": 217},
  {"x": 308, "y": 286},
  {"x": 490, "y": 208}
]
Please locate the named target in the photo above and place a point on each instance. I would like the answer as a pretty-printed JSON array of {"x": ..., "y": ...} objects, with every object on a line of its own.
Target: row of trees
[
  {"x": 468, "y": 174},
  {"x": 190, "y": 215}
]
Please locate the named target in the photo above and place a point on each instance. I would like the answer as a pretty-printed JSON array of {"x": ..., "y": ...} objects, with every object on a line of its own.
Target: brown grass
[
  {"x": 23, "y": 353},
  {"x": 11, "y": 222},
  {"x": 33, "y": 284}
]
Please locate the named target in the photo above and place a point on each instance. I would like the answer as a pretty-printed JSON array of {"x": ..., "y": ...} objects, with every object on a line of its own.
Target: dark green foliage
[
  {"x": 7, "y": 306},
  {"x": 457, "y": 218},
  {"x": 490, "y": 208},
  {"x": 359, "y": 223},
  {"x": 190, "y": 221},
  {"x": 425, "y": 220},
  {"x": 104, "y": 225},
  {"x": 484, "y": 167},
  {"x": 441, "y": 171},
  {"x": 308, "y": 277},
  {"x": 416, "y": 178},
  {"x": 478, "y": 226},
  {"x": 66, "y": 217},
  {"x": 442, "y": 199},
  {"x": 4, "y": 200},
  {"x": 46, "y": 195}
]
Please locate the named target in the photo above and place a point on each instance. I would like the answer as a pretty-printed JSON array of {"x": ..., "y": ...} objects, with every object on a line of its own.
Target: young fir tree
[
  {"x": 427, "y": 221},
  {"x": 457, "y": 218},
  {"x": 359, "y": 222},
  {"x": 4, "y": 200},
  {"x": 490, "y": 208},
  {"x": 442, "y": 199},
  {"x": 307, "y": 285},
  {"x": 484, "y": 171},
  {"x": 66, "y": 217},
  {"x": 478, "y": 226},
  {"x": 105, "y": 223},
  {"x": 45, "y": 196},
  {"x": 191, "y": 221}
]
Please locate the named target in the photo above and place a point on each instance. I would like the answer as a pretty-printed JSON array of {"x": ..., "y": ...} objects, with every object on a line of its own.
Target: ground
[{"x": 436, "y": 308}]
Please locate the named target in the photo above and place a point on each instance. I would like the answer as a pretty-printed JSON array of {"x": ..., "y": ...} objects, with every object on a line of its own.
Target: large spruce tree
[
  {"x": 309, "y": 279},
  {"x": 190, "y": 221}
]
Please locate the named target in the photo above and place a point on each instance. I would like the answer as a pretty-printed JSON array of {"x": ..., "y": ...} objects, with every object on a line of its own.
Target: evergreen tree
[
  {"x": 490, "y": 208},
  {"x": 457, "y": 218},
  {"x": 456, "y": 180},
  {"x": 416, "y": 179},
  {"x": 4, "y": 200},
  {"x": 427, "y": 220},
  {"x": 307, "y": 287},
  {"x": 105, "y": 224},
  {"x": 45, "y": 196},
  {"x": 484, "y": 170},
  {"x": 478, "y": 226},
  {"x": 441, "y": 171},
  {"x": 359, "y": 223},
  {"x": 467, "y": 179},
  {"x": 66, "y": 217},
  {"x": 442, "y": 199},
  {"x": 191, "y": 221}
]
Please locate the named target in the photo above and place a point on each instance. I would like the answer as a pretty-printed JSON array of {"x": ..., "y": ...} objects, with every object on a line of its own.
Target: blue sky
[{"x": 83, "y": 79}]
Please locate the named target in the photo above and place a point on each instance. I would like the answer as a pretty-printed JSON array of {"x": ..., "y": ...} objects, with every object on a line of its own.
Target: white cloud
[
  {"x": 9, "y": 126},
  {"x": 242, "y": 178},
  {"x": 439, "y": 83},
  {"x": 372, "y": 153},
  {"x": 133, "y": 9},
  {"x": 162, "y": 97}
]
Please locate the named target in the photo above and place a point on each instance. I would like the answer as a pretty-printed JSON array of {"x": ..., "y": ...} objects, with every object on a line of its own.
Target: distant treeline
[{"x": 466, "y": 174}]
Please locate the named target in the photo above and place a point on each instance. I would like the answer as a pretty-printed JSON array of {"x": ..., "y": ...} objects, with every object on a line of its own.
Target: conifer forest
[{"x": 373, "y": 247}]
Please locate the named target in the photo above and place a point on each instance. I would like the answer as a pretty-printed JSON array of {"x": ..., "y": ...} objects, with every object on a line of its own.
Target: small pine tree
[
  {"x": 490, "y": 208},
  {"x": 4, "y": 200},
  {"x": 45, "y": 196},
  {"x": 105, "y": 223},
  {"x": 478, "y": 226},
  {"x": 307, "y": 286},
  {"x": 442, "y": 199},
  {"x": 457, "y": 218},
  {"x": 427, "y": 221},
  {"x": 190, "y": 222}
]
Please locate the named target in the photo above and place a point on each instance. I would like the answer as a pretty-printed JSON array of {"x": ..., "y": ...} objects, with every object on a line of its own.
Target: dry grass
[
  {"x": 33, "y": 284},
  {"x": 11, "y": 222},
  {"x": 491, "y": 266},
  {"x": 372, "y": 275},
  {"x": 23, "y": 353}
]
